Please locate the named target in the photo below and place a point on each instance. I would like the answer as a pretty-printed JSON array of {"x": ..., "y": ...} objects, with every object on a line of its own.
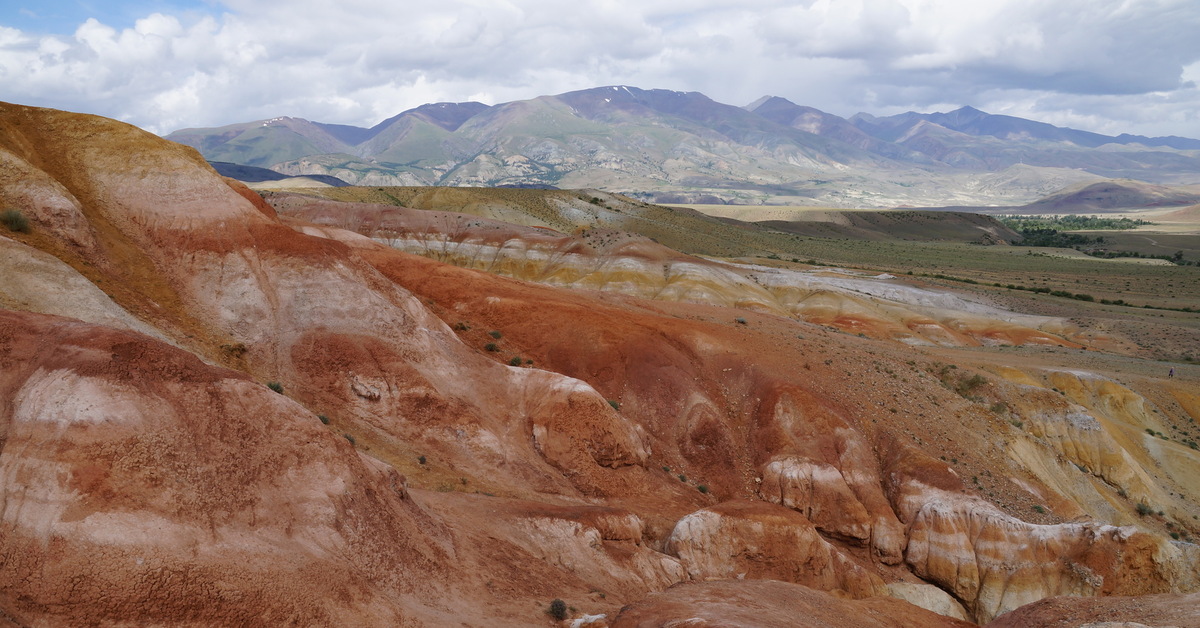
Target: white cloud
[{"x": 1106, "y": 65}]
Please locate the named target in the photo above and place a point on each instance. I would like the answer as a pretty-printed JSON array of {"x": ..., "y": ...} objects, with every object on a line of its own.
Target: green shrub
[
  {"x": 702, "y": 488},
  {"x": 557, "y": 610},
  {"x": 1144, "y": 509},
  {"x": 324, "y": 419},
  {"x": 682, "y": 478},
  {"x": 421, "y": 459},
  {"x": 491, "y": 346},
  {"x": 350, "y": 438},
  {"x": 968, "y": 385},
  {"x": 614, "y": 404},
  {"x": 515, "y": 361},
  {"x": 276, "y": 386},
  {"x": 1039, "y": 509},
  {"x": 495, "y": 333},
  {"x": 235, "y": 350},
  {"x": 15, "y": 221}
]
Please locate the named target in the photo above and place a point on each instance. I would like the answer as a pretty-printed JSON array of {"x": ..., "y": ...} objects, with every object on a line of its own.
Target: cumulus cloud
[{"x": 1106, "y": 65}]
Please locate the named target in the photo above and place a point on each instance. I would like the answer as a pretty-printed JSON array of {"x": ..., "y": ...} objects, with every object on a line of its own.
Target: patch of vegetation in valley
[
  {"x": 1063, "y": 232},
  {"x": 1070, "y": 222},
  {"x": 1056, "y": 239}
]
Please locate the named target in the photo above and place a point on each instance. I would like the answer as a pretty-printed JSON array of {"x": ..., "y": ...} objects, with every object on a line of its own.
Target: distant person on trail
[{"x": 1171, "y": 373}]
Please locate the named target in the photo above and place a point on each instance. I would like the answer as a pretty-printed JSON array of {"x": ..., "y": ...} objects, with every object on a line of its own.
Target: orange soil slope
[
  {"x": 614, "y": 261},
  {"x": 768, "y": 604}
]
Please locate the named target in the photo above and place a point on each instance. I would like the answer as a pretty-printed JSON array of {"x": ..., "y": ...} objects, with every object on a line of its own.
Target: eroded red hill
[{"x": 453, "y": 446}]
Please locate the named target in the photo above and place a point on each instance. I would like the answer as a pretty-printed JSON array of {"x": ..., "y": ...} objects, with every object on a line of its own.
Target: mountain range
[{"x": 669, "y": 146}]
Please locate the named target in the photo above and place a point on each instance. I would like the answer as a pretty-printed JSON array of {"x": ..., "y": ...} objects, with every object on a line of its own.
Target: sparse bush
[
  {"x": 614, "y": 404},
  {"x": 491, "y": 346},
  {"x": 421, "y": 459},
  {"x": 495, "y": 333},
  {"x": 350, "y": 438},
  {"x": 235, "y": 350},
  {"x": 967, "y": 385},
  {"x": 15, "y": 221},
  {"x": 557, "y": 610},
  {"x": 324, "y": 419},
  {"x": 1144, "y": 509},
  {"x": 461, "y": 326},
  {"x": 740, "y": 321},
  {"x": 702, "y": 488},
  {"x": 515, "y": 361},
  {"x": 1039, "y": 509},
  {"x": 276, "y": 386},
  {"x": 682, "y": 478}
]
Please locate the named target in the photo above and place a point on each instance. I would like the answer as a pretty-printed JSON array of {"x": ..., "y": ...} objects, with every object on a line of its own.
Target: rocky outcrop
[
  {"x": 995, "y": 563},
  {"x": 1109, "y": 432},
  {"x": 737, "y": 540},
  {"x": 818, "y": 469},
  {"x": 929, "y": 598}
]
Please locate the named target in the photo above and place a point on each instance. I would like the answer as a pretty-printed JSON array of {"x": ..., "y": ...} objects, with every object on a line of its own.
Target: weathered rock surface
[
  {"x": 995, "y": 563},
  {"x": 737, "y": 540},
  {"x": 143, "y": 486},
  {"x": 1162, "y": 611},
  {"x": 823, "y": 469},
  {"x": 929, "y": 598},
  {"x": 770, "y": 604}
]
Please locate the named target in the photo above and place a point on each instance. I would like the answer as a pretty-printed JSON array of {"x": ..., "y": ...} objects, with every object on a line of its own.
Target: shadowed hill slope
[{"x": 1112, "y": 195}]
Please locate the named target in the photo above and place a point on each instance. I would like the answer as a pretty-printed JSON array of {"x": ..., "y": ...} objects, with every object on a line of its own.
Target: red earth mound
[{"x": 442, "y": 445}]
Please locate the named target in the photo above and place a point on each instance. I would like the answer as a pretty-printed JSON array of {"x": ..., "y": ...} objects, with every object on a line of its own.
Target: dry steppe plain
[{"x": 430, "y": 407}]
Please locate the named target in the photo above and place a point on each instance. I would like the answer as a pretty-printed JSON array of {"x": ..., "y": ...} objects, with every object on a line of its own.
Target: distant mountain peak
[{"x": 765, "y": 100}]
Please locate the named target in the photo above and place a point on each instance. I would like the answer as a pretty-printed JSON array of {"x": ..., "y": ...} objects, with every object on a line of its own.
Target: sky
[{"x": 1109, "y": 66}]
